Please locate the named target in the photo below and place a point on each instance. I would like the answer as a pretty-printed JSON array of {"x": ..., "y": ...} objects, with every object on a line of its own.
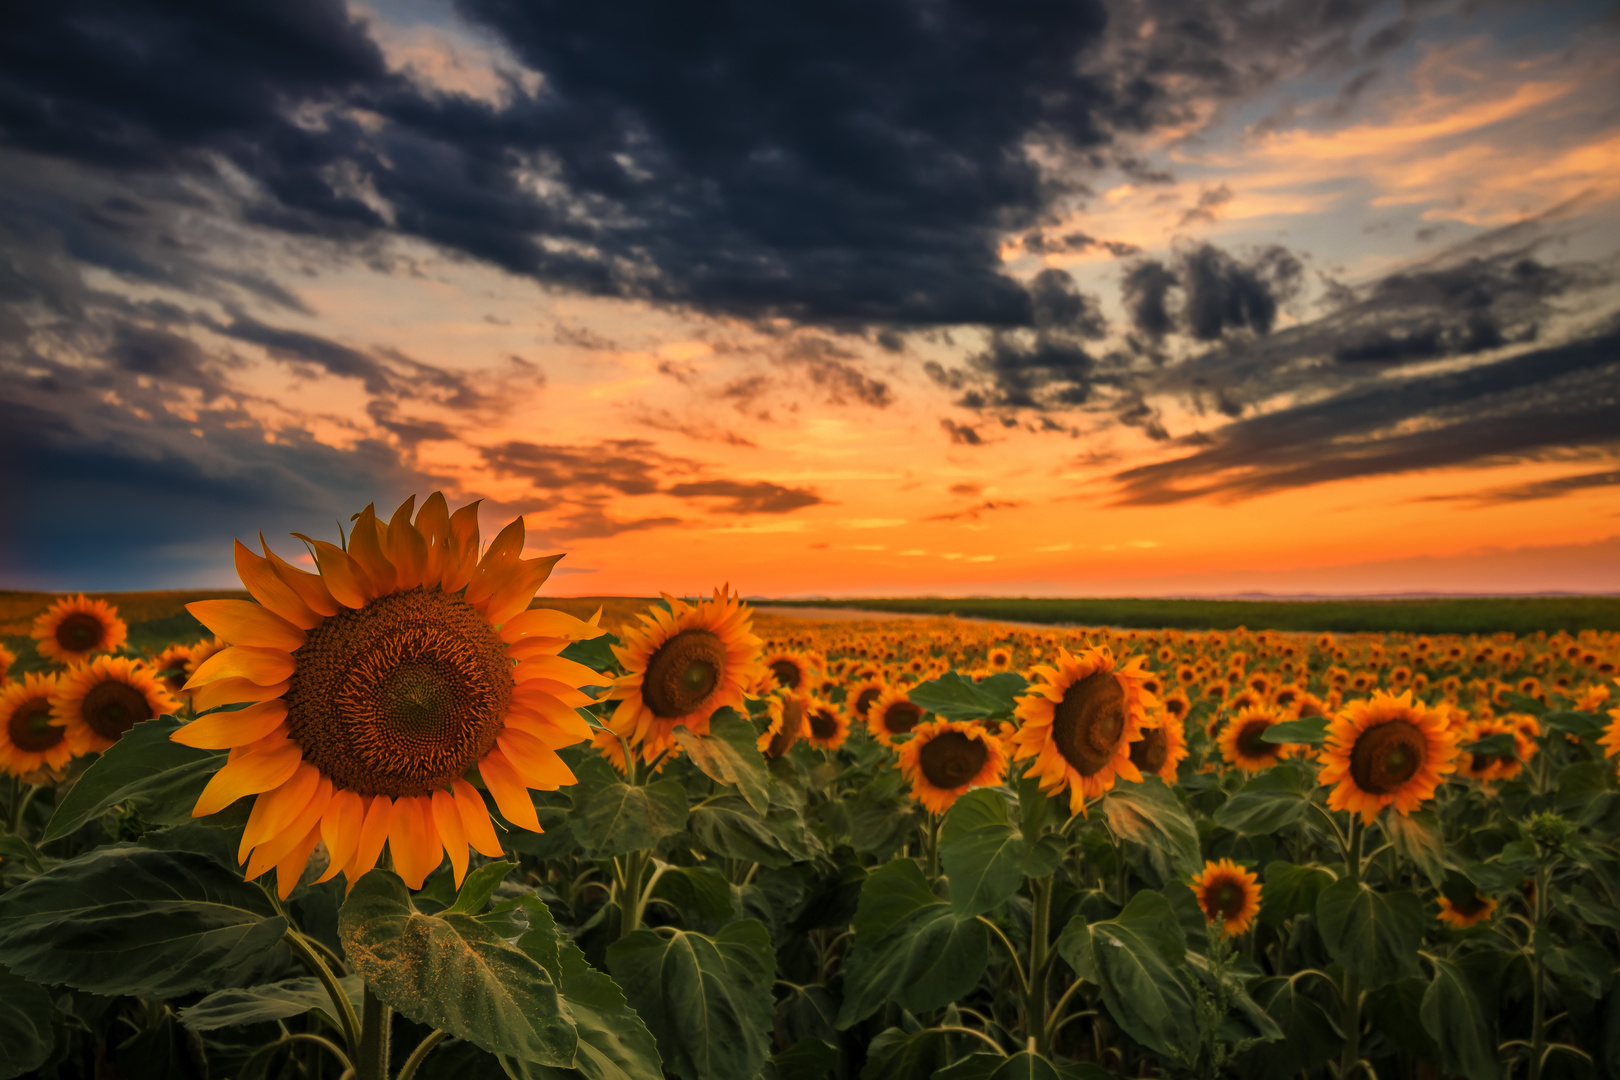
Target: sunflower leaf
[
  {"x": 1417, "y": 838},
  {"x": 611, "y": 817},
  {"x": 1375, "y": 935},
  {"x": 613, "y": 1042},
  {"x": 271, "y": 1001},
  {"x": 1270, "y": 801},
  {"x": 1310, "y": 729},
  {"x": 1458, "y": 1024},
  {"x": 1024, "y": 1065},
  {"x": 728, "y": 826},
  {"x": 953, "y": 697},
  {"x": 1133, "y": 959},
  {"x": 987, "y": 857},
  {"x": 1155, "y": 827},
  {"x": 26, "y": 1036},
  {"x": 729, "y": 754},
  {"x": 1291, "y": 890}
]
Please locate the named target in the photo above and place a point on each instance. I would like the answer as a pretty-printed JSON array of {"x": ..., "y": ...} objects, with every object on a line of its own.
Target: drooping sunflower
[
  {"x": 1078, "y": 721},
  {"x": 74, "y": 629},
  {"x": 1161, "y": 748},
  {"x": 376, "y": 686},
  {"x": 828, "y": 724},
  {"x": 1242, "y": 740},
  {"x": 28, "y": 740},
  {"x": 892, "y": 716},
  {"x": 860, "y": 698},
  {"x": 1229, "y": 895},
  {"x": 97, "y": 702},
  {"x": 1462, "y": 914},
  {"x": 681, "y": 666},
  {"x": 944, "y": 758},
  {"x": 790, "y": 714},
  {"x": 791, "y": 670},
  {"x": 1385, "y": 751}
]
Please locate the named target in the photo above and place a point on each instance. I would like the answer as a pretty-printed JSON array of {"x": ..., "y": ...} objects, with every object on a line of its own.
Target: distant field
[{"x": 1521, "y": 615}]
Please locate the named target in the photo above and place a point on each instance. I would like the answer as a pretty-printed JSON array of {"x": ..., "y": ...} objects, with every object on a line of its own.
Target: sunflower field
[{"x": 396, "y": 819}]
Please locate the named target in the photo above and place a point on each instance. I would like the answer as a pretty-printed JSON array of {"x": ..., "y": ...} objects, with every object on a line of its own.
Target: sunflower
[
  {"x": 1078, "y": 721},
  {"x": 97, "y": 702},
  {"x": 7, "y": 658},
  {"x": 1176, "y": 704},
  {"x": 892, "y": 715},
  {"x": 1488, "y": 767},
  {"x": 28, "y": 740},
  {"x": 1000, "y": 659},
  {"x": 681, "y": 666},
  {"x": 1229, "y": 895},
  {"x": 1385, "y": 750},
  {"x": 1462, "y": 915},
  {"x": 828, "y": 724},
  {"x": 1242, "y": 740},
  {"x": 789, "y": 713},
  {"x": 72, "y": 630},
  {"x": 1610, "y": 739},
  {"x": 1590, "y": 699},
  {"x": 375, "y": 686},
  {"x": 1161, "y": 748},
  {"x": 170, "y": 666},
  {"x": 860, "y": 699},
  {"x": 791, "y": 670},
  {"x": 944, "y": 758}
]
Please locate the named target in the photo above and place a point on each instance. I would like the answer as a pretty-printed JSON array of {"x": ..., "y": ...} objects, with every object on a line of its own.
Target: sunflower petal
[
  {"x": 262, "y": 583},
  {"x": 373, "y": 835},
  {"x": 273, "y": 850},
  {"x": 447, "y": 819},
  {"x": 247, "y": 775},
  {"x": 461, "y": 554},
  {"x": 554, "y": 713},
  {"x": 232, "y": 692},
  {"x": 309, "y": 587},
  {"x": 342, "y": 576},
  {"x": 521, "y": 719},
  {"x": 413, "y": 841},
  {"x": 501, "y": 558},
  {"x": 262, "y": 667},
  {"x": 275, "y": 809},
  {"x": 505, "y": 783},
  {"x": 291, "y": 869},
  {"x": 558, "y": 669},
  {"x": 221, "y": 731},
  {"x": 405, "y": 547},
  {"x": 242, "y": 623},
  {"x": 549, "y": 623},
  {"x": 537, "y": 763},
  {"x": 535, "y": 689},
  {"x": 340, "y": 830},
  {"x": 522, "y": 582},
  {"x": 366, "y": 548},
  {"x": 475, "y": 821},
  {"x": 433, "y": 523}
]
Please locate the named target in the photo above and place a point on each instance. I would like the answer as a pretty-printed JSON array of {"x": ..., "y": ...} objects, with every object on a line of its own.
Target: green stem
[
  {"x": 423, "y": 1048},
  {"x": 372, "y": 1063},
  {"x": 1538, "y": 1010},
  {"x": 22, "y": 806},
  {"x": 931, "y": 848},
  {"x": 342, "y": 1006},
  {"x": 1350, "y": 992},
  {"x": 629, "y": 884},
  {"x": 1039, "y": 962}
]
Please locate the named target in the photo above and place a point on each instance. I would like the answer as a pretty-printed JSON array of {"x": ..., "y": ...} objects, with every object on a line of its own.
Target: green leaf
[
  {"x": 1457, "y": 1023},
  {"x": 162, "y": 778},
  {"x": 1502, "y": 745},
  {"x": 953, "y": 697},
  {"x": 728, "y": 826},
  {"x": 1155, "y": 826},
  {"x": 1126, "y": 957},
  {"x": 1418, "y": 839},
  {"x": 452, "y": 972},
  {"x": 1311, "y": 730},
  {"x": 1582, "y": 725},
  {"x": 130, "y": 920},
  {"x": 701, "y": 890},
  {"x": 987, "y": 857},
  {"x": 595, "y": 653},
  {"x": 897, "y": 1054},
  {"x": 26, "y": 1037},
  {"x": 807, "y": 1059},
  {"x": 910, "y": 947},
  {"x": 1309, "y": 1037},
  {"x": 1375, "y": 935},
  {"x": 729, "y": 754},
  {"x": 272, "y": 1001},
  {"x": 1267, "y": 803},
  {"x": 706, "y": 1000},
  {"x": 19, "y": 861},
  {"x": 1291, "y": 890},
  {"x": 611, "y": 817},
  {"x": 613, "y": 1042},
  {"x": 478, "y": 886},
  {"x": 1023, "y": 1065}
]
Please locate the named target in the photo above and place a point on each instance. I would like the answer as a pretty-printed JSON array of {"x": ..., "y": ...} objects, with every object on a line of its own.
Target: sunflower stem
[
  {"x": 931, "y": 848},
  {"x": 629, "y": 883},
  {"x": 372, "y": 1062},
  {"x": 1350, "y": 992},
  {"x": 1538, "y": 986},
  {"x": 1039, "y": 962},
  {"x": 334, "y": 990}
]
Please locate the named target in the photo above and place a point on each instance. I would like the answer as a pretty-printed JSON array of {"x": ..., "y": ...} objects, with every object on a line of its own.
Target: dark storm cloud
[
  {"x": 757, "y": 497},
  {"x": 1218, "y": 292}
]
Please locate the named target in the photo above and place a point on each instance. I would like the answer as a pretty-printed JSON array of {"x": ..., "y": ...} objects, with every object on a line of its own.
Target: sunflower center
[
  {"x": 401, "y": 696},
  {"x": 788, "y": 733},
  {"x": 1250, "y": 741},
  {"x": 901, "y": 717},
  {"x": 951, "y": 759},
  {"x": 1386, "y": 756},
  {"x": 1089, "y": 722},
  {"x": 823, "y": 725},
  {"x": 1309, "y": 709},
  {"x": 1473, "y": 905},
  {"x": 786, "y": 672},
  {"x": 682, "y": 673},
  {"x": 1226, "y": 900},
  {"x": 30, "y": 727},
  {"x": 865, "y": 699},
  {"x": 112, "y": 708},
  {"x": 1152, "y": 751},
  {"x": 80, "y": 632}
]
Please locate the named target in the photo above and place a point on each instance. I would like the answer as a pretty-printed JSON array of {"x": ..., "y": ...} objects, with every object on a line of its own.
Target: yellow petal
[
  {"x": 223, "y": 730},
  {"x": 564, "y": 671},
  {"x": 233, "y": 692},
  {"x": 242, "y": 623},
  {"x": 340, "y": 830},
  {"x": 275, "y": 810},
  {"x": 555, "y": 713},
  {"x": 512, "y": 596},
  {"x": 506, "y": 785},
  {"x": 373, "y": 835},
  {"x": 433, "y": 524},
  {"x": 309, "y": 587},
  {"x": 533, "y": 690},
  {"x": 413, "y": 841},
  {"x": 405, "y": 547},
  {"x": 268, "y": 589},
  {"x": 447, "y": 819},
  {"x": 475, "y": 821},
  {"x": 461, "y": 559},
  {"x": 291, "y": 868},
  {"x": 501, "y": 557},
  {"x": 365, "y": 548},
  {"x": 262, "y": 667},
  {"x": 548, "y": 623},
  {"x": 341, "y": 575},
  {"x": 521, "y": 719},
  {"x": 277, "y": 847},
  {"x": 247, "y": 775},
  {"x": 536, "y": 763}
]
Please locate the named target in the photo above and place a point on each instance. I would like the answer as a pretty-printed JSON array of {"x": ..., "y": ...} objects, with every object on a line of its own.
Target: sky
[{"x": 1093, "y": 297}]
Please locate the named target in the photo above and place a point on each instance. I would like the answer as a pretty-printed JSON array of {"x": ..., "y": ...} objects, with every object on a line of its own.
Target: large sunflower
[
  {"x": 1229, "y": 895},
  {"x": 1243, "y": 741},
  {"x": 1385, "y": 750},
  {"x": 1078, "y": 721},
  {"x": 681, "y": 666},
  {"x": 1161, "y": 748},
  {"x": 97, "y": 702},
  {"x": 944, "y": 758},
  {"x": 74, "y": 629},
  {"x": 377, "y": 686},
  {"x": 892, "y": 716},
  {"x": 28, "y": 740}
]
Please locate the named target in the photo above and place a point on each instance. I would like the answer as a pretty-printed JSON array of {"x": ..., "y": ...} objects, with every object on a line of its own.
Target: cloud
[
  {"x": 961, "y": 434},
  {"x": 973, "y": 513},
  {"x": 625, "y": 466},
  {"x": 757, "y": 497},
  {"x": 1219, "y": 293},
  {"x": 1551, "y": 488}
]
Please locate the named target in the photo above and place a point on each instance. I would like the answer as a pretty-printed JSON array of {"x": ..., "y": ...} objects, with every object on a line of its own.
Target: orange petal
[
  {"x": 373, "y": 835},
  {"x": 340, "y": 829},
  {"x": 276, "y": 847},
  {"x": 536, "y": 762},
  {"x": 275, "y": 809},
  {"x": 447, "y": 819},
  {"x": 234, "y": 692},
  {"x": 405, "y": 547},
  {"x": 475, "y": 819},
  {"x": 461, "y": 558},
  {"x": 555, "y": 713},
  {"x": 535, "y": 688},
  {"x": 521, "y": 719},
  {"x": 433, "y": 523},
  {"x": 309, "y": 587},
  {"x": 223, "y": 730},
  {"x": 366, "y": 548},
  {"x": 514, "y": 595},
  {"x": 548, "y": 623},
  {"x": 262, "y": 667},
  {"x": 342, "y": 576},
  {"x": 242, "y": 623},
  {"x": 501, "y": 558},
  {"x": 413, "y": 841},
  {"x": 268, "y": 589},
  {"x": 290, "y": 869},
  {"x": 564, "y": 671},
  {"x": 505, "y": 783},
  {"x": 247, "y": 775}
]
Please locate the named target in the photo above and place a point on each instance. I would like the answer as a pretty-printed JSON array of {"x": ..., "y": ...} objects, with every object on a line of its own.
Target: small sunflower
[
  {"x": 1078, "y": 721},
  {"x": 892, "y": 716},
  {"x": 1229, "y": 895},
  {"x": 1488, "y": 767},
  {"x": 1176, "y": 704},
  {"x": 1461, "y": 915},
  {"x": 170, "y": 668},
  {"x": 97, "y": 702},
  {"x": 1385, "y": 750},
  {"x": 1000, "y": 659},
  {"x": 28, "y": 740},
  {"x": 377, "y": 685},
  {"x": 74, "y": 629},
  {"x": 860, "y": 698},
  {"x": 944, "y": 758},
  {"x": 789, "y": 713},
  {"x": 828, "y": 724},
  {"x": 791, "y": 670},
  {"x": 1161, "y": 749},
  {"x": 1242, "y": 740},
  {"x": 681, "y": 666}
]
